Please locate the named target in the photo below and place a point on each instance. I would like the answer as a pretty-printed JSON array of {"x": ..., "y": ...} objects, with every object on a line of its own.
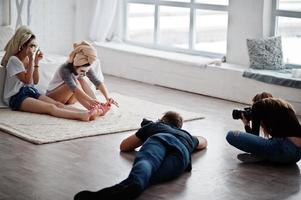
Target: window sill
[{"x": 192, "y": 60}]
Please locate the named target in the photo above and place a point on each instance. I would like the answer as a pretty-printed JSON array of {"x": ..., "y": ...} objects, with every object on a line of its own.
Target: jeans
[
  {"x": 158, "y": 162},
  {"x": 280, "y": 150},
  {"x": 24, "y": 92}
]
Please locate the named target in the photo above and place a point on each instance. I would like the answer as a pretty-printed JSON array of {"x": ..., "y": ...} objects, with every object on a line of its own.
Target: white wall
[
  {"x": 53, "y": 23},
  {"x": 83, "y": 18},
  {"x": 58, "y": 23},
  {"x": 247, "y": 19},
  {"x": 4, "y": 12}
]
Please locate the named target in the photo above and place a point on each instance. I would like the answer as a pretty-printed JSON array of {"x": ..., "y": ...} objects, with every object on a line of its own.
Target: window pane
[
  {"x": 174, "y": 26},
  {"x": 290, "y": 30},
  {"x": 293, "y": 5},
  {"x": 140, "y": 23},
  {"x": 211, "y": 31},
  {"x": 215, "y": 2}
]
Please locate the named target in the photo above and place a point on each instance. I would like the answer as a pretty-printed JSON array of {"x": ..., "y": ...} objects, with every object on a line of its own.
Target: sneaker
[{"x": 249, "y": 158}]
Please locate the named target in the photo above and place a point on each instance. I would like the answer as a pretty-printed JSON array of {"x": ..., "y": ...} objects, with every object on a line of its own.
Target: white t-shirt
[{"x": 12, "y": 83}]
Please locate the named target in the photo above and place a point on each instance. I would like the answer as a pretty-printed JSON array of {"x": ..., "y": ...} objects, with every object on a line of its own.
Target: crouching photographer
[
  {"x": 247, "y": 117},
  {"x": 281, "y": 129}
]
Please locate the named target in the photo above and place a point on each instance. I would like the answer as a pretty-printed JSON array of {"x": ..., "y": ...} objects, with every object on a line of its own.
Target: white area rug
[{"x": 41, "y": 129}]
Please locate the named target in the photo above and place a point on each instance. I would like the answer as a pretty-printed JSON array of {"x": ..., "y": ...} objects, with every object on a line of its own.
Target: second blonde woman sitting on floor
[{"x": 68, "y": 84}]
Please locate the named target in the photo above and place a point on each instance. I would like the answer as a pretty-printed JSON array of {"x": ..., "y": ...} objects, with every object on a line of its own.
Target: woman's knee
[
  {"x": 59, "y": 104},
  {"x": 232, "y": 136},
  {"x": 71, "y": 100},
  {"x": 81, "y": 81},
  {"x": 50, "y": 108}
]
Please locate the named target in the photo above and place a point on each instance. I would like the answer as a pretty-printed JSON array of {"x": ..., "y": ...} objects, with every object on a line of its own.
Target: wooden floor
[{"x": 57, "y": 171}]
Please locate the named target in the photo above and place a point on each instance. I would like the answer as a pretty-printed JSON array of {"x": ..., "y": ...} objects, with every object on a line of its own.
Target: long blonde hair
[{"x": 22, "y": 35}]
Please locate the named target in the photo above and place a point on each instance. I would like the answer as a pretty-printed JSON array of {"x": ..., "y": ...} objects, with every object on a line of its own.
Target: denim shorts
[{"x": 24, "y": 92}]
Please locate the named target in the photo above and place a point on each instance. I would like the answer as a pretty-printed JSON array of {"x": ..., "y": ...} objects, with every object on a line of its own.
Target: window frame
[
  {"x": 192, "y": 5},
  {"x": 274, "y": 24}
]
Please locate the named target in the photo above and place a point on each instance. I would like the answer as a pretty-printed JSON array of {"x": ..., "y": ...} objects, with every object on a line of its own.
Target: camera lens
[{"x": 236, "y": 114}]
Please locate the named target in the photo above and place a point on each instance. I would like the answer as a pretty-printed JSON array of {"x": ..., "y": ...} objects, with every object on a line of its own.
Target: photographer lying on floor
[{"x": 165, "y": 154}]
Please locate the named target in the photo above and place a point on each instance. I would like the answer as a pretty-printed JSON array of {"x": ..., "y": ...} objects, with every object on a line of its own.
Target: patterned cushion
[{"x": 265, "y": 53}]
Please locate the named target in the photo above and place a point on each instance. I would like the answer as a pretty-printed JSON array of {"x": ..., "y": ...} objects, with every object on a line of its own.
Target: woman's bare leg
[
  {"x": 41, "y": 107},
  {"x": 61, "y": 94},
  {"x": 72, "y": 100},
  {"x": 86, "y": 88},
  {"x": 58, "y": 104}
]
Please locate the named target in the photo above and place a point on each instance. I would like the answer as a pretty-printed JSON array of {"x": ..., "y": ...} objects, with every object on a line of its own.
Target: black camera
[{"x": 247, "y": 112}]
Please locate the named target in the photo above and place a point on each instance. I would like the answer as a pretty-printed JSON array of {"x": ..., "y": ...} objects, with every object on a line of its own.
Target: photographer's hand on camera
[{"x": 244, "y": 120}]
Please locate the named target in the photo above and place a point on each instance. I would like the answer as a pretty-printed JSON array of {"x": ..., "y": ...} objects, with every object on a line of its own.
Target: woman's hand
[
  {"x": 38, "y": 57},
  {"x": 93, "y": 103},
  {"x": 30, "y": 54},
  {"x": 202, "y": 143},
  {"x": 112, "y": 101},
  {"x": 130, "y": 143},
  {"x": 244, "y": 120}
]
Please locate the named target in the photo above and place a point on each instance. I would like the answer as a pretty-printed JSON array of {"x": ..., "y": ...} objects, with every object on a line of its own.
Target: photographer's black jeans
[
  {"x": 280, "y": 150},
  {"x": 158, "y": 161}
]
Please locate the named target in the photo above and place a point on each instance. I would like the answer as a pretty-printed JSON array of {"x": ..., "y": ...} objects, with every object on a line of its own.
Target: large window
[
  {"x": 287, "y": 15},
  {"x": 190, "y": 26}
]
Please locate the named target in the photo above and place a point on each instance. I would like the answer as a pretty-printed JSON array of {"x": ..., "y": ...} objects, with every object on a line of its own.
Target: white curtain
[{"x": 105, "y": 24}]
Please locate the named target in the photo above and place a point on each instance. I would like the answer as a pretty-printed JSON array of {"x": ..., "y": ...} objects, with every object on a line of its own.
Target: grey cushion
[
  {"x": 278, "y": 77},
  {"x": 265, "y": 53}
]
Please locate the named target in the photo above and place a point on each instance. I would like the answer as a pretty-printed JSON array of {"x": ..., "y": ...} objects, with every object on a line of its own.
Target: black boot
[{"x": 116, "y": 192}]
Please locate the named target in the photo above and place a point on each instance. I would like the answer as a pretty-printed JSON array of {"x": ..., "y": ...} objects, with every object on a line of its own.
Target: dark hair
[
  {"x": 261, "y": 96},
  {"x": 29, "y": 40},
  {"x": 275, "y": 104},
  {"x": 172, "y": 118}
]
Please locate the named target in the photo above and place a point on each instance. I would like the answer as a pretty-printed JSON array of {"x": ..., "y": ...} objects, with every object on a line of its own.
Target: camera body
[{"x": 247, "y": 112}]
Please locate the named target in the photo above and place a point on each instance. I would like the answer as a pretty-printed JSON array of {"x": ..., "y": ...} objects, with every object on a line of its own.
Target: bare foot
[
  {"x": 93, "y": 113},
  {"x": 84, "y": 116},
  {"x": 105, "y": 108}
]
